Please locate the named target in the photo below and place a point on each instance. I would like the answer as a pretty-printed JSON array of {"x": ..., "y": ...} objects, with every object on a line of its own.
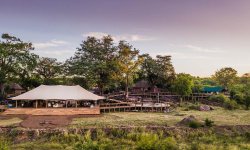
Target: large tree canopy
[
  {"x": 94, "y": 61},
  {"x": 183, "y": 84},
  {"x": 128, "y": 61},
  {"x": 225, "y": 76},
  {"x": 15, "y": 59},
  {"x": 159, "y": 71}
]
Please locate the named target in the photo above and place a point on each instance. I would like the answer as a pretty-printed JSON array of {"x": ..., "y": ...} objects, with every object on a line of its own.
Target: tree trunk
[
  {"x": 181, "y": 99},
  {"x": 126, "y": 88},
  {"x": 1, "y": 89}
]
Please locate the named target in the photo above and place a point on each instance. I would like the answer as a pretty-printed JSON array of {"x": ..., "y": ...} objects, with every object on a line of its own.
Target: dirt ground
[
  {"x": 42, "y": 122},
  {"x": 45, "y": 122}
]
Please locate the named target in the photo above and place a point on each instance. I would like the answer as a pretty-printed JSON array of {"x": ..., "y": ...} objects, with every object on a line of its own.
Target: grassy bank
[
  {"x": 137, "y": 139},
  {"x": 220, "y": 116}
]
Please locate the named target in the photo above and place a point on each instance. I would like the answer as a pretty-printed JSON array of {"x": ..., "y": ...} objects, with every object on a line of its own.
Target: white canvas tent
[{"x": 58, "y": 92}]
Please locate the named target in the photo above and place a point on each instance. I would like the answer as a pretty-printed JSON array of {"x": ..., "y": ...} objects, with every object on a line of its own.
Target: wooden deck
[{"x": 52, "y": 111}]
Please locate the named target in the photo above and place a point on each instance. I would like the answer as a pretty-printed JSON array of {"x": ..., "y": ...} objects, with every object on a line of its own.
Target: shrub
[
  {"x": 247, "y": 102},
  {"x": 193, "y": 107},
  {"x": 4, "y": 144},
  {"x": 194, "y": 124},
  {"x": 247, "y": 135},
  {"x": 151, "y": 141},
  {"x": 209, "y": 123},
  {"x": 168, "y": 143},
  {"x": 239, "y": 98},
  {"x": 230, "y": 104},
  {"x": 220, "y": 98},
  {"x": 147, "y": 141}
]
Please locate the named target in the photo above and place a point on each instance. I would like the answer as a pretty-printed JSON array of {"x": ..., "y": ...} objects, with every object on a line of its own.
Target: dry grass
[
  {"x": 10, "y": 121},
  {"x": 220, "y": 116}
]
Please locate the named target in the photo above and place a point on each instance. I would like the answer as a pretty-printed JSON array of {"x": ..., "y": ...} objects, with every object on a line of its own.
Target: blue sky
[{"x": 202, "y": 36}]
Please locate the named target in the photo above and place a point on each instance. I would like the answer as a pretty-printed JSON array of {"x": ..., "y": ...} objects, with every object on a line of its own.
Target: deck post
[
  {"x": 158, "y": 97},
  {"x": 46, "y": 103},
  {"x": 76, "y": 104},
  {"x": 36, "y": 103},
  {"x": 16, "y": 103},
  {"x": 66, "y": 104}
]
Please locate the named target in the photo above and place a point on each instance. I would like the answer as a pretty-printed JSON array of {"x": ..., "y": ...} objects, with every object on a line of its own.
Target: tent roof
[
  {"x": 213, "y": 89},
  {"x": 58, "y": 92}
]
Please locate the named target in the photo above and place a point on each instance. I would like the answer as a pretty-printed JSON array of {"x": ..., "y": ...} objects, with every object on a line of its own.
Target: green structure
[{"x": 213, "y": 89}]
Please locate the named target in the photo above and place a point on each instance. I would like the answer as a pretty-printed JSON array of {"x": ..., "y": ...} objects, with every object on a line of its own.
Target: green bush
[
  {"x": 220, "y": 98},
  {"x": 4, "y": 144},
  {"x": 230, "y": 104},
  {"x": 209, "y": 123},
  {"x": 150, "y": 141},
  {"x": 247, "y": 102},
  {"x": 239, "y": 98},
  {"x": 194, "y": 124}
]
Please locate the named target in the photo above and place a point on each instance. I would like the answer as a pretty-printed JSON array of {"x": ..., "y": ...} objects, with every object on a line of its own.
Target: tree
[
  {"x": 159, "y": 71},
  {"x": 246, "y": 94},
  {"x": 149, "y": 69},
  {"x": 94, "y": 61},
  {"x": 15, "y": 59},
  {"x": 128, "y": 62},
  {"x": 166, "y": 71},
  {"x": 183, "y": 85},
  {"x": 48, "y": 69},
  {"x": 225, "y": 76}
]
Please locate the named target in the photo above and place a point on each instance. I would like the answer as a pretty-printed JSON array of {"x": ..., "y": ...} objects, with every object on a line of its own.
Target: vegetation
[
  {"x": 15, "y": 59},
  {"x": 219, "y": 115},
  {"x": 226, "y": 76},
  {"x": 183, "y": 84},
  {"x": 158, "y": 72},
  {"x": 136, "y": 139}
]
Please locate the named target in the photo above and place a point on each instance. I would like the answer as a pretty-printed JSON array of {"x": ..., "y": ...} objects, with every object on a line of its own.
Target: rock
[
  {"x": 204, "y": 108},
  {"x": 187, "y": 120}
]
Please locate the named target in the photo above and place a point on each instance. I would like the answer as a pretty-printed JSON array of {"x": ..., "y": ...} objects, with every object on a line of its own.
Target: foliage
[
  {"x": 4, "y": 143},
  {"x": 151, "y": 141},
  {"x": 48, "y": 68},
  {"x": 225, "y": 76},
  {"x": 183, "y": 84},
  {"x": 128, "y": 61},
  {"x": 158, "y": 72},
  {"x": 194, "y": 124},
  {"x": 15, "y": 59},
  {"x": 94, "y": 61},
  {"x": 220, "y": 98},
  {"x": 230, "y": 104},
  {"x": 208, "y": 122}
]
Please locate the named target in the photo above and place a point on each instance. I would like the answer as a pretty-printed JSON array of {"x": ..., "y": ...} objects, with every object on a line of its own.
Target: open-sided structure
[{"x": 56, "y": 100}]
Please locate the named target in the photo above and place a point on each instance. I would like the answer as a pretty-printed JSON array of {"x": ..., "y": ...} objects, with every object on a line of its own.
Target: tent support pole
[
  {"x": 66, "y": 104},
  {"x": 46, "y": 104},
  {"x": 76, "y": 104},
  {"x": 36, "y": 103}
]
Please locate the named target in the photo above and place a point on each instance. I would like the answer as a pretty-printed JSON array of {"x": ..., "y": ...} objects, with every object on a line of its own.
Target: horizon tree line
[{"x": 103, "y": 64}]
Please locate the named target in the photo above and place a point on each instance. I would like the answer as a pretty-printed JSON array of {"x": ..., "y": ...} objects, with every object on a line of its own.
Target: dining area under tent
[{"x": 55, "y": 100}]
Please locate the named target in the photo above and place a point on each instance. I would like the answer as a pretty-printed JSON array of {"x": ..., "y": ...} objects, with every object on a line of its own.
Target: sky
[{"x": 202, "y": 36}]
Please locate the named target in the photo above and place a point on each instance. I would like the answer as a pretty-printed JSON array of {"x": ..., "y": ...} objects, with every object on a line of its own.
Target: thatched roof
[{"x": 15, "y": 86}]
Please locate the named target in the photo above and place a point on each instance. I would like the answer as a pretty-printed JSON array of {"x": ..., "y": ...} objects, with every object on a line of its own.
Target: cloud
[
  {"x": 202, "y": 49},
  {"x": 117, "y": 38},
  {"x": 182, "y": 55},
  {"x": 194, "y": 48},
  {"x": 51, "y": 43},
  {"x": 59, "y": 54}
]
